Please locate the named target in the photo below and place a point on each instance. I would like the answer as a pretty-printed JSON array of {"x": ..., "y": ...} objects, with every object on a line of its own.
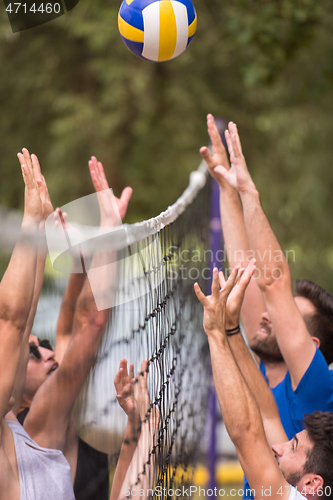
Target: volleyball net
[{"x": 154, "y": 316}]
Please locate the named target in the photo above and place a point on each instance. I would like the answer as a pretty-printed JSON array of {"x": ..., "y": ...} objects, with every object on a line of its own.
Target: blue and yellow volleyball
[{"x": 157, "y": 30}]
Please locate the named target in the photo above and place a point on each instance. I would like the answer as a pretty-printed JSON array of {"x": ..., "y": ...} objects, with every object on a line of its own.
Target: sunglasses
[{"x": 34, "y": 349}]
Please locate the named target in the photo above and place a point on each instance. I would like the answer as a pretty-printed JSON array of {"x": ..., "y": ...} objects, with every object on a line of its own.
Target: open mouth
[
  {"x": 264, "y": 329},
  {"x": 54, "y": 367}
]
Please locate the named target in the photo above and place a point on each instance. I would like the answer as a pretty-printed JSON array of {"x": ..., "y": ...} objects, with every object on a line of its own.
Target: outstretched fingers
[
  {"x": 221, "y": 279},
  {"x": 247, "y": 274},
  {"x": 131, "y": 372},
  {"x": 214, "y": 134},
  {"x": 27, "y": 158},
  {"x": 94, "y": 173},
  {"x": 229, "y": 142},
  {"x": 102, "y": 177},
  {"x": 215, "y": 283},
  {"x": 120, "y": 378},
  {"x": 27, "y": 177},
  {"x": 36, "y": 169},
  {"x": 118, "y": 381},
  {"x": 209, "y": 159},
  {"x": 124, "y": 199},
  {"x": 231, "y": 281},
  {"x": 97, "y": 174},
  {"x": 236, "y": 140},
  {"x": 219, "y": 169},
  {"x": 26, "y": 168},
  {"x": 200, "y": 295},
  {"x": 219, "y": 153}
]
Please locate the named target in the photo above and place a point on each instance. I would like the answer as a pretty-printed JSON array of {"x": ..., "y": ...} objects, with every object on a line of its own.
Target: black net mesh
[
  {"x": 158, "y": 318},
  {"x": 163, "y": 326}
]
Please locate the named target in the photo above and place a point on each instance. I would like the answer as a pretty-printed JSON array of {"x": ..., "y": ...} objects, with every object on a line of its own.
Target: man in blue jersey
[
  {"x": 292, "y": 329},
  {"x": 302, "y": 467}
]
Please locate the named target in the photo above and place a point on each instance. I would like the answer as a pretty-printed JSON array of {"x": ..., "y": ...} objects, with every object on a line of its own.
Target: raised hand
[
  {"x": 32, "y": 164},
  {"x": 44, "y": 193},
  {"x": 235, "y": 298},
  {"x": 124, "y": 384},
  {"x": 219, "y": 156},
  {"x": 132, "y": 393},
  {"x": 238, "y": 175},
  {"x": 215, "y": 304},
  {"x": 106, "y": 199},
  {"x": 33, "y": 205}
]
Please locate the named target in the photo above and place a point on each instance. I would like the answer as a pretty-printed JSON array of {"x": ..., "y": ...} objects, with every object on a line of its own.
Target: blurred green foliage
[{"x": 70, "y": 89}]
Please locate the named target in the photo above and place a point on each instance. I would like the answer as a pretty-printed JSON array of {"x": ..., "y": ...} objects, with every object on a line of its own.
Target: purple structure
[{"x": 216, "y": 244}]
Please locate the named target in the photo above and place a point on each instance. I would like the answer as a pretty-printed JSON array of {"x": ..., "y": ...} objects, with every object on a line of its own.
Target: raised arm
[
  {"x": 76, "y": 279},
  {"x": 269, "y": 413},
  {"x": 16, "y": 289},
  {"x": 239, "y": 409},
  {"x": 233, "y": 227},
  {"x": 50, "y": 413},
  {"x": 274, "y": 274},
  {"x": 67, "y": 310},
  {"x": 33, "y": 165}
]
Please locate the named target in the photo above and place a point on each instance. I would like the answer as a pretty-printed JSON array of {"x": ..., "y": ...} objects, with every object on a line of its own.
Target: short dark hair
[
  {"x": 319, "y": 426},
  {"x": 320, "y": 324}
]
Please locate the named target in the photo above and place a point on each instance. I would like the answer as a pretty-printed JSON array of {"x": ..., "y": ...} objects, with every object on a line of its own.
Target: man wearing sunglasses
[
  {"x": 51, "y": 389},
  {"x": 25, "y": 468},
  {"x": 41, "y": 363}
]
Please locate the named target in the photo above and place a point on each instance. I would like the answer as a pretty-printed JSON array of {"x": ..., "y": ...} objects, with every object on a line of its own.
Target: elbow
[
  {"x": 246, "y": 438},
  {"x": 95, "y": 321},
  {"x": 87, "y": 315},
  {"x": 248, "y": 428},
  {"x": 99, "y": 321},
  {"x": 240, "y": 432},
  {"x": 16, "y": 317},
  {"x": 274, "y": 278}
]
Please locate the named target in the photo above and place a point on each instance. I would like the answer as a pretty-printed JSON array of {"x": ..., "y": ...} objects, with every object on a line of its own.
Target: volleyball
[{"x": 157, "y": 30}]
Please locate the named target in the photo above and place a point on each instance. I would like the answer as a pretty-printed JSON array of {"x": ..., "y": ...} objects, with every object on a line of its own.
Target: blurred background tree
[{"x": 70, "y": 89}]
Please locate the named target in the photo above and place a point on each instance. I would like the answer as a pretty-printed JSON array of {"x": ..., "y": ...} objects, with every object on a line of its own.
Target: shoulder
[
  {"x": 317, "y": 375},
  {"x": 314, "y": 392}
]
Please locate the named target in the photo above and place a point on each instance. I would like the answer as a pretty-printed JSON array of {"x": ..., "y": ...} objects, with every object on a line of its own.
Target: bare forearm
[
  {"x": 234, "y": 233},
  {"x": 67, "y": 312},
  {"x": 243, "y": 422},
  {"x": 260, "y": 390},
  {"x": 271, "y": 261},
  {"x": 240, "y": 412},
  {"x": 97, "y": 291},
  {"x": 16, "y": 291},
  {"x": 127, "y": 450},
  {"x": 276, "y": 286},
  {"x": 140, "y": 472},
  {"x": 237, "y": 248},
  {"x": 17, "y": 285},
  {"x": 21, "y": 372},
  {"x": 72, "y": 292}
]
